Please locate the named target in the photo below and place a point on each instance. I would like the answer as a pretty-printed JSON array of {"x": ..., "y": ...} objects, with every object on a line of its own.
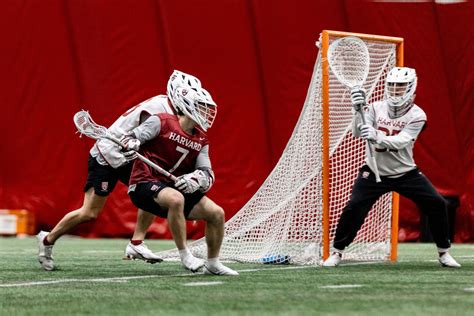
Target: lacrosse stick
[
  {"x": 86, "y": 126},
  {"x": 349, "y": 60}
]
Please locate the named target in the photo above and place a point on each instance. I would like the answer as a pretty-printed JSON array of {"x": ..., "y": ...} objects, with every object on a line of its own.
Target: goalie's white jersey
[
  {"x": 107, "y": 152},
  {"x": 394, "y": 151}
]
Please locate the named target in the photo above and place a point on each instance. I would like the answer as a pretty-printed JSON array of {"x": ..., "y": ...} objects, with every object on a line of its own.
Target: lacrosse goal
[{"x": 293, "y": 216}]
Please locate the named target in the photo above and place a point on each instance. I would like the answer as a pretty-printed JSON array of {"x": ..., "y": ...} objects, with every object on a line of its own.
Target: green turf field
[{"x": 92, "y": 279}]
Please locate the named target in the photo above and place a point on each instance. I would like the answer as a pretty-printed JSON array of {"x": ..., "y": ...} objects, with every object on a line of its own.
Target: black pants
[{"x": 413, "y": 185}]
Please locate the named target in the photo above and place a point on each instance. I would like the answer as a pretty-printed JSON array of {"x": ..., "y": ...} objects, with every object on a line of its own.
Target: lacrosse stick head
[
  {"x": 349, "y": 60},
  {"x": 86, "y": 126}
]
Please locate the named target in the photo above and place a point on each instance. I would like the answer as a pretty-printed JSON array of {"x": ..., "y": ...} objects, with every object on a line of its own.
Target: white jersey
[
  {"x": 394, "y": 149},
  {"x": 107, "y": 152}
]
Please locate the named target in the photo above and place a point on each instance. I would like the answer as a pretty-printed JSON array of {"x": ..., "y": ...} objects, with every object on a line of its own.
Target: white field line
[
  {"x": 341, "y": 286},
  {"x": 138, "y": 277},
  {"x": 469, "y": 289},
  {"x": 185, "y": 274},
  {"x": 203, "y": 283}
]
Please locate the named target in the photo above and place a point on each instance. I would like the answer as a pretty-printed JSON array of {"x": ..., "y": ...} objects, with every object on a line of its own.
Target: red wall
[{"x": 255, "y": 56}]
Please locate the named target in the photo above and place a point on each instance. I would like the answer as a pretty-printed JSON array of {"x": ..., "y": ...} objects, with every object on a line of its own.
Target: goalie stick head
[
  {"x": 349, "y": 60},
  {"x": 197, "y": 104},
  {"x": 400, "y": 88}
]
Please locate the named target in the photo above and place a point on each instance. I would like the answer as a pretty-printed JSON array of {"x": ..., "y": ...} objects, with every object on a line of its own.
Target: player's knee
[
  {"x": 175, "y": 200},
  {"x": 439, "y": 204},
  {"x": 89, "y": 214},
  {"x": 217, "y": 215}
]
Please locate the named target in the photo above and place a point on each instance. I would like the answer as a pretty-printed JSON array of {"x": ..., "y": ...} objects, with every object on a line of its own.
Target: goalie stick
[
  {"x": 349, "y": 60},
  {"x": 86, "y": 126}
]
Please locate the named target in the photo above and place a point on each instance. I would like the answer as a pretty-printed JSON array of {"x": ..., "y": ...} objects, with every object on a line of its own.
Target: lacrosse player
[
  {"x": 182, "y": 147},
  {"x": 392, "y": 126},
  {"x": 108, "y": 164}
]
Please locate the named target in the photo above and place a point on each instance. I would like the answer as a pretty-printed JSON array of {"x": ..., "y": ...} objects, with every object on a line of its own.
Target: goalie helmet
[
  {"x": 197, "y": 104},
  {"x": 181, "y": 79},
  {"x": 400, "y": 88}
]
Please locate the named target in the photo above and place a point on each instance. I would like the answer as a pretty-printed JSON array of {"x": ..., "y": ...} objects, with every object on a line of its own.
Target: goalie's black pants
[{"x": 413, "y": 185}]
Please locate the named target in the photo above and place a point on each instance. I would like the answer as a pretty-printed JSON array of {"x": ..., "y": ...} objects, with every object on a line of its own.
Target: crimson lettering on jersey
[
  {"x": 173, "y": 150},
  {"x": 390, "y": 127}
]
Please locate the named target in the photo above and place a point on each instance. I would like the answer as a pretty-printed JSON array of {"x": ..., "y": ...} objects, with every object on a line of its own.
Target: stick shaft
[
  {"x": 145, "y": 160},
  {"x": 371, "y": 151}
]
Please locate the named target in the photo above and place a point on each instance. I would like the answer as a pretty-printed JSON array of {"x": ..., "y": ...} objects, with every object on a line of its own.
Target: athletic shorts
[
  {"x": 144, "y": 193},
  {"x": 104, "y": 178}
]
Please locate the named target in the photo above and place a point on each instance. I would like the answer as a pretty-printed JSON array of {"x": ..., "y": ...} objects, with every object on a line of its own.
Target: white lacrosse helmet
[
  {"x": 400, "y": 88},
  {"x": 197, "y": 104},
  {"x": 181, "y": 79}
]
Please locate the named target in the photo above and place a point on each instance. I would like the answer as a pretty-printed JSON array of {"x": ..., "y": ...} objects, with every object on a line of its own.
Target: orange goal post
[{"x": 293, "y": 216}]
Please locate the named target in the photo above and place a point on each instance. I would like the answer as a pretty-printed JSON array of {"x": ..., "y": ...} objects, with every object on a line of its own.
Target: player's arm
[
  {"x": 201, "y": 179},
  {"x": 359, "y": 103},
  {"x": 147, "y": 130},
  {"x": 408, "y": 135}
]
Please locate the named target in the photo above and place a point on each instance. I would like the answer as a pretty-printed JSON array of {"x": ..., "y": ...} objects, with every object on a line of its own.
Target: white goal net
[{"x": 282, "y": 222}]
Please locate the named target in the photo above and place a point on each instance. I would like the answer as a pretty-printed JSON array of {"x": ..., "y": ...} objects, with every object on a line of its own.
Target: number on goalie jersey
[{"x": 395, "y": 156}]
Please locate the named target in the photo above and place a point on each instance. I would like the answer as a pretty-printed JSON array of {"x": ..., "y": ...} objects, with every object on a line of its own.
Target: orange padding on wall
[{"x": 17, "y": 222}]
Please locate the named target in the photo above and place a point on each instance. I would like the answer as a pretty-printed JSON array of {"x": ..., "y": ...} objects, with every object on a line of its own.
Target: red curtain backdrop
[{"x": 256, "y": 57}]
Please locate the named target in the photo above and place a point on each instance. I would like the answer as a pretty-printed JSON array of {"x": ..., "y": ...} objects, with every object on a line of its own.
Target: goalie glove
[
  {"x": 130, "y": 143},
  {"x": 370, "y": 133},
  {"x": 358, "y": 99},
  {"x": 197, "y": 180}
]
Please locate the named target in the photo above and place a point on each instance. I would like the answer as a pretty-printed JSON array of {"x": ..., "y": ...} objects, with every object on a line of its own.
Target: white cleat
[
  {"x": 141, "y": 252},
  {"x": 45, "y": 253},
  {"x": 219, "y": 269},
  {"x": 447, "y": 261},
  {"x": 333, "y": 260},
  {"x": 192, "y": 263}
]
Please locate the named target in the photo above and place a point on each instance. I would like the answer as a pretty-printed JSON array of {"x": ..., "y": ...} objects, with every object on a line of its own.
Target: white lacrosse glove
[
  {"x": 358, "y": 99},
  {"x": 187, "y": 183},
  {"x": 130, "y": 143},
  {"x": 370, "y": 133},
  {"x": 130, "y": 155},
  {"x": 197, "y": 180}
]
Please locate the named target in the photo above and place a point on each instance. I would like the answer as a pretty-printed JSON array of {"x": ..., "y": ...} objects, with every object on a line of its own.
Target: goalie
[{"x": 392, "y": 126}]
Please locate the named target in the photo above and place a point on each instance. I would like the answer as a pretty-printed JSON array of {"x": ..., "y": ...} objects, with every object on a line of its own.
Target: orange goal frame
[{"x": 325, "y": 141}]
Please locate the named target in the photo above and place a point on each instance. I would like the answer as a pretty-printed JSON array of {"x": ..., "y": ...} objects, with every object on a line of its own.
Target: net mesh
[{"x": 283, "y": 220}]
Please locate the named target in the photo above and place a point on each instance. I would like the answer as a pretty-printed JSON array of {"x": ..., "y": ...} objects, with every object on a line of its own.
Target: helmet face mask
[
  {"x": 400, "y": 88},
  {"x": 197, "y": 104}
]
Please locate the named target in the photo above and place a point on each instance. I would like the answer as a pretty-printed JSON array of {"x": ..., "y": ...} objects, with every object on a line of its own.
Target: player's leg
[
  {"x": 166, "y": 202},
  {"x": 415, "y": 186},
  {"x": 365, "y": 193},
  {"x": 214, "y": 217},
  {"x": 136, "y": 248},
  {"x": 89, "y": 210},
  {"x": 101, "y": 181},
  {"x": 174, "y": 201}
]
